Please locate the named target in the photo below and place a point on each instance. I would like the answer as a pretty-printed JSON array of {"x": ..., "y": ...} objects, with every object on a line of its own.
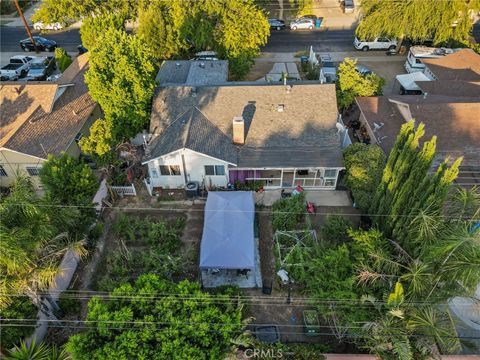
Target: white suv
[{"x": 380, "y": 43}]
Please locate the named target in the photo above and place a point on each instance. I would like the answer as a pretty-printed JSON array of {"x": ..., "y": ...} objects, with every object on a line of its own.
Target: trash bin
[
  {"x": 304, "y": 59},
  {"x": 318, "y": 22}
]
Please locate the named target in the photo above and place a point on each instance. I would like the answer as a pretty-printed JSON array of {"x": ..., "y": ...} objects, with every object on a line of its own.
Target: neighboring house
[
  {"x": 455, "y": 121},
  {"x": 42, "y": 118},
  {"x": 280, "y": 135},
  {"x": 449, "y": 107},
  {"x": 192, "y": 72}
]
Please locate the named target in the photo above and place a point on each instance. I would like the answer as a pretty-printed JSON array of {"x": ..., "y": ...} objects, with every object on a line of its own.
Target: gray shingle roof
[
  {"x": 192, "y": 72},
  {"x": 304, "y": 134},
  {"x": 192, "y": 130}
]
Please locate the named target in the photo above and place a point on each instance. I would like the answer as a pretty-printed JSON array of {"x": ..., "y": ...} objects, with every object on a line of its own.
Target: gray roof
[
  {"x": 304, "y": 134},
  {"x": 192, "y": 130},
  {"x": 192, "y": 72}
]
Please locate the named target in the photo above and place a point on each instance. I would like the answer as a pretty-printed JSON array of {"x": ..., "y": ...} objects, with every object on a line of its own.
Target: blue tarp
[{"x": 228, "y": 239}]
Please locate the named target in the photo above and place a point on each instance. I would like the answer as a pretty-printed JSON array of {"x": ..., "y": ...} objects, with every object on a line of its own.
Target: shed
[
  {"x": 408, "y": 81},
  {"x": 228, "y": 237}
]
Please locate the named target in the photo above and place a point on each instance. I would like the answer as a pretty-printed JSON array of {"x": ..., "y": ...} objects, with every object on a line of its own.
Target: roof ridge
[{"x": 186, "y": 138}]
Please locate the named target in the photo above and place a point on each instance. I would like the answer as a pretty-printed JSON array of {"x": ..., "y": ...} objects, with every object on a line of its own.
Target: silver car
[{"x": 302, "y": 23}]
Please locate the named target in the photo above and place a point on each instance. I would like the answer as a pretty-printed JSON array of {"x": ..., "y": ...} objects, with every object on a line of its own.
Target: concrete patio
[
  {"x": 230, "y": 277},
  {"x": 318, "y": 197}
]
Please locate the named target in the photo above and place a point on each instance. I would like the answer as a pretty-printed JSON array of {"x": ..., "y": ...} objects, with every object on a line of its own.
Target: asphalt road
[
  {"x": 291, "y": 41},
  {"x": 280, "y": 41},
  {"x": 10, "y": 37}
]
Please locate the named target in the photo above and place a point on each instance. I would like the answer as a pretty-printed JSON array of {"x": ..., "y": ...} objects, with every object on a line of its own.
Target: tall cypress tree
[
  {"x": 381, "y": 191},
  {"x": 403, "y": 197},
  {"x": 406, "y": 188}
]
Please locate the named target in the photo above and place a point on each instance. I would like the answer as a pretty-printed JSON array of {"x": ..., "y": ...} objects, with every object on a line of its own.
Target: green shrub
[
  {"x": 240, "y": 66},
  {"x": 69, "y": 304},
  {"x": 20, "y": 308},
  {"x": 335, "y": 229},
  {"x": 288, "y": 212},
  {"x": 63, "y": 59},
  {"x": 94, "y": 234}
]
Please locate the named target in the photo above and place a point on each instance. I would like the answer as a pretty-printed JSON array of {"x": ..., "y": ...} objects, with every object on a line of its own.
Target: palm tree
[
  {"x": 34, "y": 236},
  {"x": 37, "y": 351}
]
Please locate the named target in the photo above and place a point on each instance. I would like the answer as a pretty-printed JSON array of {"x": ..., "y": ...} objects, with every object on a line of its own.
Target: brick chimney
[{"x": 238, "y": 130}]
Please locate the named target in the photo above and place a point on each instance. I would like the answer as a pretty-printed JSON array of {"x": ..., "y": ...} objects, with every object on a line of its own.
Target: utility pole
[{"x": 20, "y": 12}]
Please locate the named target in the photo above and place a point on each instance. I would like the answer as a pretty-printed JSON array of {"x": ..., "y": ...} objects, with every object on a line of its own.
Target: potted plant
[{"x": 311, "y": 323}]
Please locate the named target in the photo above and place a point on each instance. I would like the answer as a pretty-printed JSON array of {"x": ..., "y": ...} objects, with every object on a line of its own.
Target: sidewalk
[{"x": 374, "y": 56}]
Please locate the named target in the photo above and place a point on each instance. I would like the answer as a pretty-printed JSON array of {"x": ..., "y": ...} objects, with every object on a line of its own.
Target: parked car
[
  {"x": 348, "y": 6},
  {"x": 276, "y": 24},
  {"x": 18, "y": 66},
  {"x": 42, "y": 43},
  {"x": 363, "y": 70},
  {"x": 41, "y": 26},
  {"x": 302, "y": 23},
  {"x": 41, "y": 68},
  {"x": 206, "y": 55},
  {"x": 380, "y": 43}
]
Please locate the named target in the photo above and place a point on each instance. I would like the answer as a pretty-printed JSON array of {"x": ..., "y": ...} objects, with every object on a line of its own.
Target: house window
[
  {"x": 2, "y": 171},
  {"x": 78, "y": 137},
  {"x": 214, "y": 170},
  {"x": 33, "y": 171},
  {"x": 330, "y": 176},
  {"x": 170, "y": 170}
]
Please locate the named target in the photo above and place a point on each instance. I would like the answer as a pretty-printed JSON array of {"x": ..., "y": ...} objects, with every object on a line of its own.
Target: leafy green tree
[
  {"x": 35, "y": 235},
  {"x": 159, "y": 28},
  {"x": 364, "y": 165},
  {"x": 121, "y": 78},
  {"x": 157, "y": 319},
  {"x": 93, "y": 28},
  {"x": 99, "y": 142},
  {"x": 68, "y": 180},
  {"x": 351, "y": 83},
  {"x": 67, "y": 11},
  {"x": 418, "y": 19},
  {"x": 19, "y": 307},
  {"x": 62, "y": 58}
]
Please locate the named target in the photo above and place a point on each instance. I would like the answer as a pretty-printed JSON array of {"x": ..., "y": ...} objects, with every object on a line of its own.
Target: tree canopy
[
  {"x": 99, "y": 142},
  {"x": 364, "y": 165},
  {"x": 62, "y": 58},
  {"x": 351, "y": 83},
  {"x": 93, "y": 28},
  {"x": 121, "y": 78},
  {"x": 156, "y": 319},
  {"x": 68, "y": 180},
  {"x": 418, "y": 19}
]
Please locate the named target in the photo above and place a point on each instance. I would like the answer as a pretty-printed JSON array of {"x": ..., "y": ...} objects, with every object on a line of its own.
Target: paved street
[
  {"x": 10, "y": 37},
  {"x": 324, "y": 40}
]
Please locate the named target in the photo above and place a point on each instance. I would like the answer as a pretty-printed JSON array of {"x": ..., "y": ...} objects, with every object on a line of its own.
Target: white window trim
[{"x": 214, "y": 170}]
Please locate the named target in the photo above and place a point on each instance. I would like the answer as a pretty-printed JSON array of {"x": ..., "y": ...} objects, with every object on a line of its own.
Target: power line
[
  {"x": 130, "y": 328},
  {"x": 176, "y": 210},
  {"x": 245, "y": 299}
]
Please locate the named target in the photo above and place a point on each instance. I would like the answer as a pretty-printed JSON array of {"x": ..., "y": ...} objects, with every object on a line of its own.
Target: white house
[{"x": 280, "y": 135}]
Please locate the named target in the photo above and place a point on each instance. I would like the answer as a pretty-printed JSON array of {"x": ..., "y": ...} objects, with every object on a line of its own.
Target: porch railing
[
  {"x": 267, "y": 181},
  {"x": 124, "y": 190}
]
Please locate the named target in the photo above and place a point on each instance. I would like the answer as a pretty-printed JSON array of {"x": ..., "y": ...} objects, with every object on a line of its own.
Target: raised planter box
[{"x": 311, "y": 323}]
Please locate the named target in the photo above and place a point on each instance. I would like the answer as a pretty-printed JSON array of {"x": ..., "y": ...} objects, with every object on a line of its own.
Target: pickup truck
[
  {"x": 41, "y": 68},
  {"x": 19, "y": 66}
]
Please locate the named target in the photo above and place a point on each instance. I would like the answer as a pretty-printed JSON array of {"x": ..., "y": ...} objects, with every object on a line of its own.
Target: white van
[
  {"x": 380, "y": 43},
  {"x": 417, "y": 53}
]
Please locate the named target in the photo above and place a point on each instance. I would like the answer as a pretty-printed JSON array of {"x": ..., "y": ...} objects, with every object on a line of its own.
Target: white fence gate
[{"x": 124, "y": 190}]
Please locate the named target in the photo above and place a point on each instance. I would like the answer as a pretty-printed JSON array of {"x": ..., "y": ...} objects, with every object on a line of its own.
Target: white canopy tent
[
  {"x": 228, "y": 236},
  {"x": 408, "y": 81}
]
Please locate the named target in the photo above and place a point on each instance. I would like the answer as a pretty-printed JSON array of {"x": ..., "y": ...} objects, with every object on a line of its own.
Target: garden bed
[{"x": 141, "y": 242}]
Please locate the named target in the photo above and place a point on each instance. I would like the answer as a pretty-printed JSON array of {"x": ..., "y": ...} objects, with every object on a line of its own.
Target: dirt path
[{"x": 267, "y": 260}]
